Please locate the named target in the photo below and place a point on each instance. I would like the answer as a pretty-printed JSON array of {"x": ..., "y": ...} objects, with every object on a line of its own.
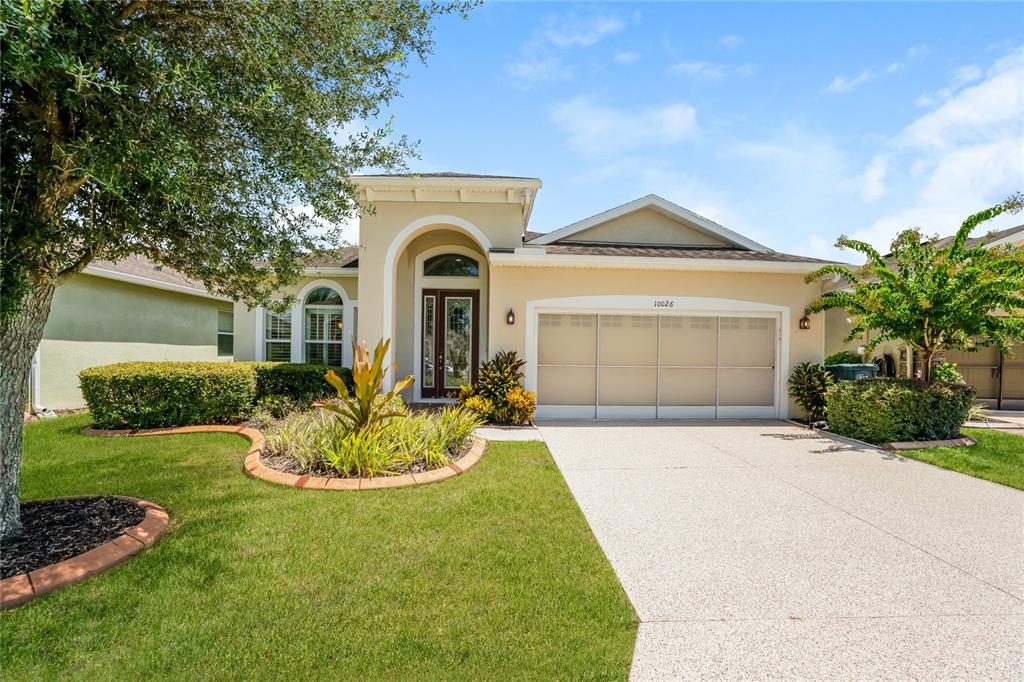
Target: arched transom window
[
  {"x": 323, "y": 331},
  {"x": 451, "y": 265}
]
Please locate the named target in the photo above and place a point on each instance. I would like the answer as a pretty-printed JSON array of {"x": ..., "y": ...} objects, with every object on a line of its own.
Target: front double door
[{"x": 450, "y": 341}]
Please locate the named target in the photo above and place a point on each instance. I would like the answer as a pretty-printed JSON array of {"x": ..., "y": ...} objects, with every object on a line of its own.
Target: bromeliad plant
[
  {"x": 933, "y": 296},
  {"x": 366, "y": 407}
]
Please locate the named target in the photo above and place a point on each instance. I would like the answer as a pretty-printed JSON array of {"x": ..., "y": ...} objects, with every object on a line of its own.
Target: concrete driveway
[{"x": 755, "y": 550}]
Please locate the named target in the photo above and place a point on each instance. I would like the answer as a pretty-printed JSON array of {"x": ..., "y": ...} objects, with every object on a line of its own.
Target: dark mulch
[{"x": 55, "y": 530}]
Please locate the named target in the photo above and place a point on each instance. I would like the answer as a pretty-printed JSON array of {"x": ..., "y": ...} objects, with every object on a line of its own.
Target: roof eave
[{"x": 523, "y": 258}]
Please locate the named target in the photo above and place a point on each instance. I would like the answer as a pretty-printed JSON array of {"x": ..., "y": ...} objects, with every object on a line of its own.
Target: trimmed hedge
[
  {"x": 892, "y": 410},
  {"x": 143, "y": 395},
  {"x": 299, "y": 382}
]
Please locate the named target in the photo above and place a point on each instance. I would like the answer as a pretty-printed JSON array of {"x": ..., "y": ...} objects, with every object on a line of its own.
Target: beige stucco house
[
  {"x": 117, "y": 312},
  {"x": 997, "y": 377},
  {"x": 646, "y": 310}
]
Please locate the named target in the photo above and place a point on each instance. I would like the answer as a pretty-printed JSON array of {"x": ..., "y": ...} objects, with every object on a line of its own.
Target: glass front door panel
[
  {"x": 458, "y": 341},
  {"x": 429, "y": 340}
]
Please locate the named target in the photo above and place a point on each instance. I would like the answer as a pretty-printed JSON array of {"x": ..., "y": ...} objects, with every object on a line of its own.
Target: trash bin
[{"x": 852, "y": 372}]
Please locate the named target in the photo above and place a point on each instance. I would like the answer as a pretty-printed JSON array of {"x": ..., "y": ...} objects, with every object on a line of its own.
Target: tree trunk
[
  {"x": 19, "y": 338},
  {"x": 926, "y": 371}
]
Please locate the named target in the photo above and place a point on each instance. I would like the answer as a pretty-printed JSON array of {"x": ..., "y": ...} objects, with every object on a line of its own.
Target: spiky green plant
[
  {"x": 497, "y": 377},
  {"x": 363, "y": 408}
]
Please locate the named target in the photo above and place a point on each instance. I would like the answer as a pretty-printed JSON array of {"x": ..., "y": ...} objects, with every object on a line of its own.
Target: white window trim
[
  {"x": 478, "y": 283},
  {"x": 645, "y": 305},
  {"x": 298, "y": 313}
]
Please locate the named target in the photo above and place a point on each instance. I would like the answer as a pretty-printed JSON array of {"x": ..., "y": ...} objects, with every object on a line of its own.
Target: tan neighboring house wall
[{"x": 109, "y": 316}]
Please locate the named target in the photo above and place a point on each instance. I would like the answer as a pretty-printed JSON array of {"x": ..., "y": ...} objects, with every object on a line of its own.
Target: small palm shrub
[
  {"x": 362, "y": 409},
  {"x": 807, "y": 386},
  {"x": 947, "y": 373}
]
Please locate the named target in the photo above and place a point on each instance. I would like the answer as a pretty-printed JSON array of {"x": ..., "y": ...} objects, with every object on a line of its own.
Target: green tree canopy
[
  {"x": 210, "y": 136},
  {"x": 933, "y": 296}
]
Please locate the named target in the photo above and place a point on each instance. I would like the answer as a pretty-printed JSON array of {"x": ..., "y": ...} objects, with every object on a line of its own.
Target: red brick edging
[
  {"x": 255, "y": 468},
  {"x": 24, "y": 587}
]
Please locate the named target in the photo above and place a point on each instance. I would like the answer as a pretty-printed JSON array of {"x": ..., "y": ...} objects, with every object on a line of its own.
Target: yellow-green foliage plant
[
  {"x": 362, "y": 408},
  {"x": 521, "y": 404}
]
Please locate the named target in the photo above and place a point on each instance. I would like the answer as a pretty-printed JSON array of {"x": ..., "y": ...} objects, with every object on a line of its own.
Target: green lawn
[
  {"x": 490, "y": 575},
  {"x": 997, "y": 457}
]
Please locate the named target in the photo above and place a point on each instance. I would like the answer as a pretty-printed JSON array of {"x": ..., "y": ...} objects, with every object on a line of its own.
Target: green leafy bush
[
  {"x": 497, "y": 396},
  {"x": 891, "y": 410},
  {"x": 946, "y": 372},
  {"x": 843, "y": 357},
  {"x": 807, "y": 386},
  {"x": 301, "y": 383},
  {"x": 142, "y": 395}
]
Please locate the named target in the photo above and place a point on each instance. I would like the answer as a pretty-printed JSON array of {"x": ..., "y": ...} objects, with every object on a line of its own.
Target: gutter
[{"x": 534, "y": 257}]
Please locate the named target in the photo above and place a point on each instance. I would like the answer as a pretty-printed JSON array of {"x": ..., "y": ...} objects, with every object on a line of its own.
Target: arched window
[
  {"x": 323, "y": 331},
  {"x": 451, "y": 265}
]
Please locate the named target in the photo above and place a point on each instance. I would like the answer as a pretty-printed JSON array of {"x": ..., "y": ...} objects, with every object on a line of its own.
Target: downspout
[{"x": 34, "y": 383}]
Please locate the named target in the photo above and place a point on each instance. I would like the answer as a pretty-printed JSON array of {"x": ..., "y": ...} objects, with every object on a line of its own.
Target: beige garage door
[{"x": 622, "y": 366}]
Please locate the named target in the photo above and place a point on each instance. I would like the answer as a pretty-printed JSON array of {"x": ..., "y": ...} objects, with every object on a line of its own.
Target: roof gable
[{"x": 650, "y": 221}]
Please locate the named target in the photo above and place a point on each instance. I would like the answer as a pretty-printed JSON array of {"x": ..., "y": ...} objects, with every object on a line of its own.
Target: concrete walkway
[{"x": 758, "y": 550}]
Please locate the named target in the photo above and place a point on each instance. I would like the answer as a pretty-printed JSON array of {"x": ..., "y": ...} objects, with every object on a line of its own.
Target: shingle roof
[
  {"x": 141, "y": 266},
  {"x": 678, "y": 252},
  {"x": 345, "y": 257},
  {"x": 983, "y": 239}
]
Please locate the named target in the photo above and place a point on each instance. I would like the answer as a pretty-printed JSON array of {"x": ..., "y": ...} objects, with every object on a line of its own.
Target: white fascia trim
[
  {"x": 333, "y": 272},
  {"x": 411, "y": 181},
  {"x": 666, "y": 206},
  {"x": 521, "y": 258},
  {"x": 146, "y": 282}
]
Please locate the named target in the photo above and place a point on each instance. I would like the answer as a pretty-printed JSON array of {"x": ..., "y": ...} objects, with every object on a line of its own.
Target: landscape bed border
[
  {"x": 24, "y": 587},
  {"x": 257, "y": 469}
]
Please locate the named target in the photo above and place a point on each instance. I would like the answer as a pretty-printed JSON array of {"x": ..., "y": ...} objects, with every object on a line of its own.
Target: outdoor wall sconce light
[
  {"x": 510, "y": 317},
  {"x": 805, "y": 322}
]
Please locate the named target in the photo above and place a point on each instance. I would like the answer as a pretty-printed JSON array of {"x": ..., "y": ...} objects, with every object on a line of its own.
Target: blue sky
[{"x": 790, "y": 123}]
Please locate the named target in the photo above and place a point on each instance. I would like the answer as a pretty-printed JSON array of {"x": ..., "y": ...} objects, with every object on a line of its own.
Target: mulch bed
[{"x": 55, "y": 530}]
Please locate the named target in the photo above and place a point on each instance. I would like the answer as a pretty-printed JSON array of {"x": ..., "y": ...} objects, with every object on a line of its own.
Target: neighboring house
[
  {"x": 997, "y": 377},
  {"x": 129, "y": 310},
  {"x": 645, "y": 310}
]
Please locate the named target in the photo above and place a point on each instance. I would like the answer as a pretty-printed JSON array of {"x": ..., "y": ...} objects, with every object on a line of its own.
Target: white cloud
[
  {"x": 594, "y": 130},
  {"x": 571, "y": 30},
  {"x": 730, "y": 41},
  {"x": 965, "y": 156},
  {"x": 961, "y": 76},
  {"x": 872, "y": 182},
  {"x": 540, "y": 57},
  {"x": 711, "y": 71},
  {"x": 626, "y": 57},
  {"x": 844, "y": 84},
  {"x": 528, "y": 72},
  {"x": 841, "y": 84},
  {"x": 700, "y": 70}
]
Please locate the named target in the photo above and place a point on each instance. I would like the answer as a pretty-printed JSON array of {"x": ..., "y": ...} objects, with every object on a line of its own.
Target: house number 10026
[{"x": 664, "y": 304}]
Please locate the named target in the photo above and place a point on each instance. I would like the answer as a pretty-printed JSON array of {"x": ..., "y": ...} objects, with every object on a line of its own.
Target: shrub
[
  {"x": 142, "y": 395},
  {"x": 946, "y": 372},
  {"x": 521, "y": 404},
  {"x": 480, "y": 405},
  {"x": 301, "y": 383},
  {"x": 807, "y": 386},
  {"x": 890, "y": 410},
  {"x": 497, "y": 377},
  {"x": 843, "y": 357},
  {"x": 361, "y": 408}
]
